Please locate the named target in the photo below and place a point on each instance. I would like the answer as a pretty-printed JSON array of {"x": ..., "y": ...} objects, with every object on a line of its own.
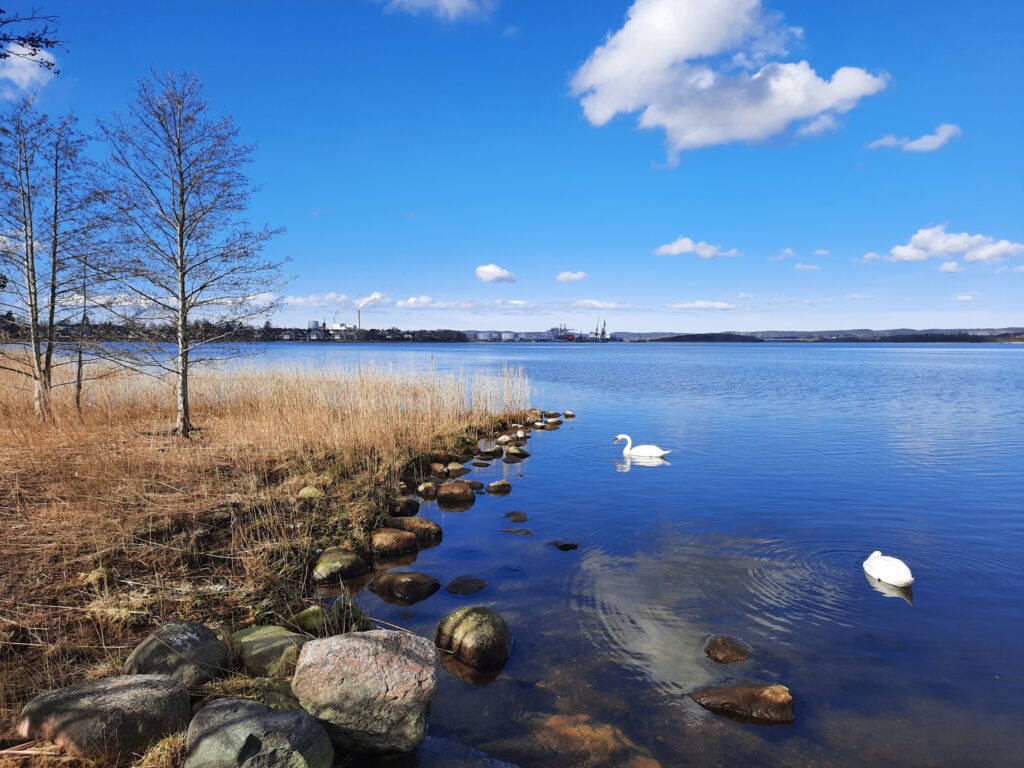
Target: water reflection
[
  {"x": 890, "y": 590},
  {"x": 628, "y": 462}
]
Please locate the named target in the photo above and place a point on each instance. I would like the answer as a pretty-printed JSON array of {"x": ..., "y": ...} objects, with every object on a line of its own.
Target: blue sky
[{"x": 456, "y": 156}]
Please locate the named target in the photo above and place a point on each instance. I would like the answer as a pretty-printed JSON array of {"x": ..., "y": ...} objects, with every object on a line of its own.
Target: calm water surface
[{"x": 789, "y": 465}]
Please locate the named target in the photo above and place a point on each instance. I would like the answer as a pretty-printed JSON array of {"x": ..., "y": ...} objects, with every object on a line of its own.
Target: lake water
[{"x": 790, "y": 463}]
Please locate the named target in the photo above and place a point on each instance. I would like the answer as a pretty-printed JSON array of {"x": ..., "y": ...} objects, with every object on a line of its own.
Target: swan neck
[{"x": 629, "y": 444}]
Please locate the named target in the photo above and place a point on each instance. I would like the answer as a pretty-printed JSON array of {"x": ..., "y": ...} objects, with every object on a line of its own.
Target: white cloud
[
  {"x": 819, "y": 125},
  {"x": 571, "y": 277},
  {"x": 702, "y": 305},
  {"x": 821, "y": 252},
  {"x": 445, "y": 9},
  {"x": 19, "y": 75},
  {"x": 871, "y": 256},
  {"x": 936, "y": 242},
  {"x": 743, "y": 295},
  {"x": 686, "y": 245},
  {"x": 951, "y": 266},
  {"x": 319, "y": 300},
  {"x": 425, "y": 302},
  {"x": 859, "y": 297},
  {"x": 701, "y": 71},
  {"x": 927, "y": 143},
  {"x": 787, "y": 253},
  {"x": 807, "y": 267},
  {"x": 492, "y": 273},
  {"x": 964, "y": 297},
  {"x": 595, "y": 304}
]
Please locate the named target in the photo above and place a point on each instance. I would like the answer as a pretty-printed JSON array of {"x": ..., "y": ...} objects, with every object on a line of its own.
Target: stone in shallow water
[
  {"x": 480, "y": 464},
  {"x": 726, "y": 650},
  {"x": 476, "y": 635},
  {"x": 391, "y": 541},
  {"x": 269, "y": 651},
  {"x": 564, "y": 546},
  {"x": 518, "y": 531},
  {"x": 426, "y": 490},
  {"x": 109, "y": 719},
  {"x": 517, "y": 517},
  {"x": 445, "y": 753},
  {"x": 749, "y": 701},
  {"x": 405, "y": 588},
  {"x": 475, "y": 485},
  {"x": 465, "y": 585},
  {"x": 239, "y": 732},
  {"x": 455, "y": 491},
  {"x": 404, "y": 507},
  {"x": 370, "y": 690},
  {"x": 338, "y": 563},
  {"x": 500, "y": 488},
  {"x": 427, "y": 533},
  {"x": 189, "y": 652}
]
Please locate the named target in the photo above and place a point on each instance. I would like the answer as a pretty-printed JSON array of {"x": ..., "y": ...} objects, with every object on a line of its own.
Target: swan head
[{"x": 620, "y": 438}]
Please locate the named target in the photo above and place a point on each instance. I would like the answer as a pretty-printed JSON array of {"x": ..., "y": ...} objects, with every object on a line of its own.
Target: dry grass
[{"x": 111, "y": 524}]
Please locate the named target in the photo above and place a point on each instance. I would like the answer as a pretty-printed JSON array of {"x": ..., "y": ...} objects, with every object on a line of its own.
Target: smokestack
[{"x": 359, "y": 318}]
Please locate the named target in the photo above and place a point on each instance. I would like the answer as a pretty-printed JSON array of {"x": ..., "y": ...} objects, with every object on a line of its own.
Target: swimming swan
[
  {"x": 649, "y": 451},
  {"x": 891, "y": 570}
]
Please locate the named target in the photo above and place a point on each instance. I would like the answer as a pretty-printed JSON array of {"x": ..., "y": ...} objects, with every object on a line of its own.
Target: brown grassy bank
[{"x": 111, "y": 525}]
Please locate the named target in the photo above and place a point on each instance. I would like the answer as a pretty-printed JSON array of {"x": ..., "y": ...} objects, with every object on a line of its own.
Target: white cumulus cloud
[
  {"x": 445, "y": 9},
  {"x": 927, "y": 143},
  {"x": 20, "y": 75},
  {"x": 965, "y": 297},
  {"x": 426, "y": 302},
  {"x": 571, "y": 277},
  {"x": 702, "y": 305},
  {"x": 686, "y": 245},
  {"x": 807, "y": 267},
  {"x": 596, "y": 304},
  {"x": 821, "y": 252},
  {"x": 706, "y": 72},
  {"x": 492, "y": 273},
  {"x": 936, "y": 242},
  {"x": 951, "y": 266}
]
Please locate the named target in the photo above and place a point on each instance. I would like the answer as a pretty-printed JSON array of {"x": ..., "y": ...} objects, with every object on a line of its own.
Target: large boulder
[
  {"x": 455, "y": 492},
  {"x": 392, "y": 541},
  {"x": 370, "y": 690},
  {"x": 110, "y": 719},
  {"x": 476, "y": 636},
  {"x": 269, "y": 651},
  {"x": 405, "y": 588},
  {"x": 189, "y": 652},
  {"x": 749, "y": 701},
  {"x": 230, "y": 733},
  {"x": 427, "y": 533},
  {"x": 726, "y": 650},
  {"x": 337, "y": 563}
]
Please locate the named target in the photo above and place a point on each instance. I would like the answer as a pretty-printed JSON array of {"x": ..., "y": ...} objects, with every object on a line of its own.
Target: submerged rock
[
  {"x": 518, "y": 531},
  {"x": 475, "y": 485},
  {"x": 405, "y": 588},
  {"x": 579, "y": 740},
  {"x": 564, "y": 546},
  {"x": 338, "y": 563},
  {"x": 370, "y": 690},
  {"x": 465, "y": 585},
  {"x": 517, "y": 517},
  {"x": 500, "y": 488},
  {"x": 239, "y": 732},
  {"x": 445, "y": 753},
  {"x": 726, "y": 650},
  {"x": 753, "y": 701},
  {"x": 110, "y": 719},
  {"x": 427, "y": 532},
  {"x": 569, "y": 415},
  {"x": 189, "y": 652},
  {"x": 392, "y": 541},
  {"x": 480, "y": 464},
  {"x": 404, "y": 507},
  {"x": 269, "y": 651},
  {"x": 476, "y": 636}
]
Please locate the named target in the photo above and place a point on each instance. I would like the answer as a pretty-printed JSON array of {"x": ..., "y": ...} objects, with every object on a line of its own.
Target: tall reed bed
[{"x": 111, "y": 523}]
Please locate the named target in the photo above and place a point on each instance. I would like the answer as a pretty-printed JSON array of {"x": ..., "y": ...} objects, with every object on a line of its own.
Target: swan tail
[{"x": 666, "y": 453}]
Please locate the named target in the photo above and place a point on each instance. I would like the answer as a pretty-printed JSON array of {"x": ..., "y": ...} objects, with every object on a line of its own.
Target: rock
[
  {"x": 569, "y": 415},
  {"x": 338, "y": 563},
  {"x": 403, "y": 487},
  {"x": 239, "y": 732},
  {"x": 517, "y": 517},
  {"x": 504, "y": 440},
  {"x": 456, "y": 470},
  {"x": 753, "y": 701},
  {"x": 455, "y": 491},
  {"x": 480, "y": 464},
  {"x": 515, "y": 453},
  {"x": 726, "y": 650},
  {"x": 445, "y": 753},
  {"x": 500, "y": 488},
  {"x": 370, "y": 690},
  {"x": 579, "y": 740},
  {"x": 404, "y": 507},
  {"x": 465, "y": 585},
  {"x": 438, "y": 469},
  {"x": 475, "y": 485},
  {"x": 476, "y": 636},
  {"x": 315, "y": 620},
  {"x": 551, "y": 415},
  {"x": 427, "y": 533},
  {"x": 552, "y": 422},
  {"x": 518, "y": 531},
  {"x": 189, "y": 652},
  {"x": 110, "y": 719},
  {"x": 492, "y": 453},
  {"x": 311, "y": 493},
  {"x": 539, "y": 424},
  {"x": 391, "y": 541},
  {"x": 269, "y": 651},
  {"x": 564, "y": 546},
  {"x": 426, "y": 490},
  {"x": 405, "y": 588}
]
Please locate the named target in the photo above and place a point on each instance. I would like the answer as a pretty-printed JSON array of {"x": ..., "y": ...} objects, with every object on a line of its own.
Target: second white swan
[{"x": 650, "y": 451}]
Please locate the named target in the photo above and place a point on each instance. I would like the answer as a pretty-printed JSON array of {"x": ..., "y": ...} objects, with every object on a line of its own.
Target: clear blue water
[{"x": 789, "y": 465}]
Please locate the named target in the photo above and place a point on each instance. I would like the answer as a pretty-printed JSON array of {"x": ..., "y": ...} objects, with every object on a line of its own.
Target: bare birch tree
[{"x": 178, "y": 192}]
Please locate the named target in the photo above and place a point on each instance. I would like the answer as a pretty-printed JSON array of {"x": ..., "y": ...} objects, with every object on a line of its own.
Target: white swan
[
  {"x": 891, "y": 570},
  {"x": 648, "y": 451}
]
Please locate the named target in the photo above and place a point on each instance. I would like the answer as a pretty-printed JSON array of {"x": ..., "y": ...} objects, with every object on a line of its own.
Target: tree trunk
[{"x": 183, "y": 425}]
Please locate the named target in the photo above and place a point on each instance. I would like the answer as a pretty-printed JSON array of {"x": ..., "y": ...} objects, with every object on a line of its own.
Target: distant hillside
[{"x": 734, "y": 337}]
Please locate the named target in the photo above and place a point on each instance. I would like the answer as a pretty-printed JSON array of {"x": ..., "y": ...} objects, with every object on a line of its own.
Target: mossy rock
[
  {"x": 269, "y": 651},
  {"x": 311, "y": 493},
  {"x": 476, "y": 636},
  {"x": 338, "y": 563}
]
